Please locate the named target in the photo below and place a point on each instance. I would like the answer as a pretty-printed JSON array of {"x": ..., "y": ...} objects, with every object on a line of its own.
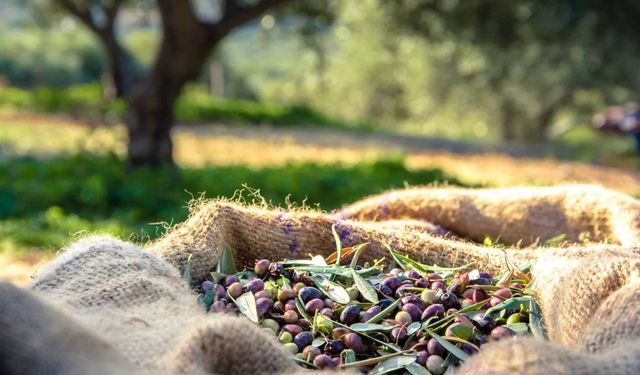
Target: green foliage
[
  {"x": 75, "y": 191},
  {"x": 195, "y": 105}
]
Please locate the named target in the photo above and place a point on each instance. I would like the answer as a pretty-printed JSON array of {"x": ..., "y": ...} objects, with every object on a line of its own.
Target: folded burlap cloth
[{"x": 107, "y": 306}]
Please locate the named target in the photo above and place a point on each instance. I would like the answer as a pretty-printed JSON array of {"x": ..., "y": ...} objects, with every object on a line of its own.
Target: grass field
[{"x": 62, "y": 179}]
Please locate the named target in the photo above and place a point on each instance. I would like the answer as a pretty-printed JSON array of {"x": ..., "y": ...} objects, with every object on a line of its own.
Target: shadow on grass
[{"x": 43, "y": 203}]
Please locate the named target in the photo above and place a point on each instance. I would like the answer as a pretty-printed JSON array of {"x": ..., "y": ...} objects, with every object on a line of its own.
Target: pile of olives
[{"x": 337, "y": 316}]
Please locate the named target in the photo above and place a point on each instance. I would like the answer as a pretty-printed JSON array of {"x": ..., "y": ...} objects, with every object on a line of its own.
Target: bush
[{"x": 98, "y": 188}]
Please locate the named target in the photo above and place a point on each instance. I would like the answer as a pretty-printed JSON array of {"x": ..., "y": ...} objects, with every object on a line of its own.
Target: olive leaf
[
  {"x": 368, "y": 327},
  {"x": 356, "y": 254},
  {"x": 512, "y": 303},
  {"x": 300, "y": 307},
  {"x": 364, "y": 287},
  {"x": 206, "y": 299},
  {"x": 413, "y": 328},
  {"x": 186, "y": 276},
  {"x": 535, "y": 320},
  {"x": 382, "y": 314},
  {"x": 416, "y": 369},
  {"x": 462, "y": 331},
  {"x": 226, "y": 264},
  {"x": 332, "y": 290},
  {"x": 247, "y": 305},
  {"x": 392, "y": 364},
  {"x": 347, "y": 356},
  {"x": 461, "y": 355},
  {"x": 338, "y": 244},
  {"x": 519, "y": 328}
]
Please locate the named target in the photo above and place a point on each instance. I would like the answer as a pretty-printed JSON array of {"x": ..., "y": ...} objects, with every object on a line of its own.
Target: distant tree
[
  {"x": 536, "y": 54},
  {"x": 188, "y": 36}
]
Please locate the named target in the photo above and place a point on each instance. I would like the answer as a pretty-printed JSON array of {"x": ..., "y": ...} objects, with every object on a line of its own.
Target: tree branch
[
  {"x": 82, "y": 14},
  {"x": 235, "y": 15}
]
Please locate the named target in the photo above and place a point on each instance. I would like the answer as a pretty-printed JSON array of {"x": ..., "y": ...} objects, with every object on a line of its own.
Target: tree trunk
[
  {"x": 544, "y": 123},
  {"x": 508, "y": 122},
  {"x": 121, "y": 65},
  {"x": 150, "y": 113}
]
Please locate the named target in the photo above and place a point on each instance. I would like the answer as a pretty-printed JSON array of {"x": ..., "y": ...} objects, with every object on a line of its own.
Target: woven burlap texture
[{"x": 135, "y": 299}]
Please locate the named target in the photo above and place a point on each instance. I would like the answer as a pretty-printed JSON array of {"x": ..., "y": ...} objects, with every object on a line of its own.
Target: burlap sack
[{"x": 136, "y": 301}]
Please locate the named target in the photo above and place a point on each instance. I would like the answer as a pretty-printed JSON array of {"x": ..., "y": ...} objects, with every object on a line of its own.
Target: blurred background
[{"x": 114, "y": 114}]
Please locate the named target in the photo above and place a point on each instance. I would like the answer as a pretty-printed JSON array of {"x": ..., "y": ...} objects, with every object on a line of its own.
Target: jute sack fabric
[{"x": 135, "y": 300}]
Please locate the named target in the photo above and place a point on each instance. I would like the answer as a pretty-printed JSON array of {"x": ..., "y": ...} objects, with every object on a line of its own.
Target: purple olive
[
  {"x": 391, "y": 282},
  {"x": 220, "y": 292},
  {"x": 285, "y": 294},
  {"x": 231, "y": 308},
  {"x": 354, "y": 341},
  {"x": 485, "y": 323},
  {"x": 235, "y": 290},
  {"x": 480, "y": 281},
  {"x": 290, "y": 305},
  {"x": 334, "y": 347},
  {"x": 415, "y": 300},
  {"x": 403, "y": 318},
  {"x": 503, "y": 294},
  {"x": 297, "y": 287},
  {"x": 438, "y": 285},
  {"x": 384, "y": 290},
  {"x": 218, "y": 306},
  {"x": 485, "y": 275},
  {"x": 370, "y": 313},
  {"x": 434, "y": 277},
  {"x": 434, "y": 347},
  {"x": 327, "y": 312},
  {"x": 500, "y": 332},
  {"x": 303, "y": 339},
  {"x": 310, "y": 352},
  {"x": 290, "y": 317},
  {"x": 476, "y": 295},
  {"x": 206, "y": 286},
  {"x": 449, "y": 301},
  {"x": 305, "y": 324},
  {"x": 469, "y": 349},
  {"x": 413, "y": 310},
  {"x": 254, "y": 285},
  {"x": 314, "y": 306},
  {"x": 228, "y": 280},
  {"x": 308, "y": 293},
  {"x": 399, "y": 334},
  {"x": 350, "y": 314},
  {"x": 328, "y": 302},
  {"x": 422, "y": 283},
  {"x": 421, "y": 358},
  {"x": 323, "y": 361},
  {"x": 336, "y": 361},
  {"x": 403, "y": 290},
  {"x": 434, "y": 310},
  {"x": 275, "y": 269},
  {"x": 263, "y": 306},
  {"x": 263, "y": 294},
  {"x": 262, "y": 267},
  {"x": 412, "y": 274},
  {"x": 434, "y": 365},
  {"x": 293, "y": 329},
  {"x": 338, "y": 332}
]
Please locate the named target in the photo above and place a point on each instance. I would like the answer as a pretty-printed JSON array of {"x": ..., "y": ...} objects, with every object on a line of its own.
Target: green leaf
[
  {"x": 247, "y": 305},
  {"x": 226, "y": 265},
  {"x": 535, "y": 320},
  {"x": 319, "y": 341},
  {"x": 392, "y": 364},
  {"x": 333, "y": 290},
  {"x": 518, "y": 328},
  {"x": 413, "y": 328},
  {"x": 461, "y": 355},
  {"x": 512, "y": 303},
  {"x": 368, "y": 327},
  {"x": 356, "y": 254},
  {"x": 207, "y": 299},
  {"x": 383, "y": 314},
  {"x": 416, "y": 369},
  {"x": 336, "y": 238},
  {"x": 217, "y": 277},
  {"x": 318, "y": 260},
  {"x": 555, "y": 240},
  {"x": 347, "y": 356},
  {"x": 301, "y": 310},
  {"x": 186, "y": 276},
  {"x": 364, "y": 287}
]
